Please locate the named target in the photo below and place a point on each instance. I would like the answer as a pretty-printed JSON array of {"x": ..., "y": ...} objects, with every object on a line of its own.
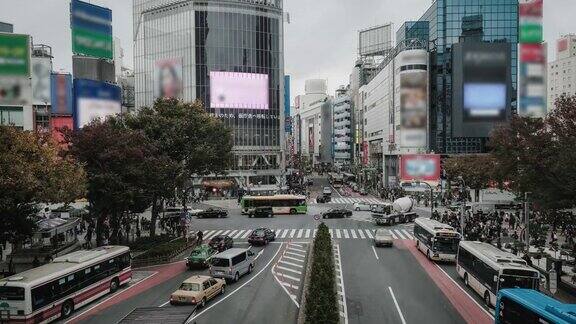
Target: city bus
[
  {"x": 56, "y": 289},
  {"x": 336, "y": 179},
  {"x": 487, "y": 269},
  {"x": 281, "y": 204},
  {"x": 517, "y": 305},
  {"x": 439, "y": 242}
]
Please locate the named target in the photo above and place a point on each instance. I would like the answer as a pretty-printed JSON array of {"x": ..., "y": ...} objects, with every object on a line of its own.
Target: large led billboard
[
  {"x": 14, "y": 55},
  {"x": 41, "y": 72},
  {"x": 95, "y": 100},
  {"x": 481, "y": 87},
  {"x": 413, "y": 108},
  {"x": 238, "y": 90},
  {"x": 61, "y": 93},
  {"x": 168, "y": 78},
  {"x": 91, "y": 30},
  {"x": 420, "y": 167}
]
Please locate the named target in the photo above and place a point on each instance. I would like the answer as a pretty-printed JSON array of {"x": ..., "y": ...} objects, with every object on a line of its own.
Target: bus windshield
[
  {"x": 446, "y": 245},
  {"x": 517, "y": 282},
  {"x": 11, "y": 293}
]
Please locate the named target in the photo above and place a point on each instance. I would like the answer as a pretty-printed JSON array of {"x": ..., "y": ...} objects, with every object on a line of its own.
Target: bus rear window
[{"x": 11, "y": 293}]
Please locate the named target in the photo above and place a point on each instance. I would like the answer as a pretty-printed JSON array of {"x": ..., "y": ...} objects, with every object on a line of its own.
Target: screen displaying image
[
  {"x": 484, "y": 99},
  {"x": 168, "y": 78},
  {"x": 238, "y": 90},
  {"x": 413, "y": 108},
  {"x": 425, "y": 167}
]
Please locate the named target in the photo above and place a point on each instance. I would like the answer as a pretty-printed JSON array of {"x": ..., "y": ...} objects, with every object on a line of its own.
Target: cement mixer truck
[{"x": 401, "y": 212}]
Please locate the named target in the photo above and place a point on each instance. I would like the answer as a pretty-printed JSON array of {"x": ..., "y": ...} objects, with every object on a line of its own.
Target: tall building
[
  {"x": 342, "y": 127},
  {"x": 41, "y": 70},
  {"x": 457, "y": 21},
  {"x": 228, "y": 55},
  {"x": 6, "y": 27},
  {"x": 562, "y": 71}
]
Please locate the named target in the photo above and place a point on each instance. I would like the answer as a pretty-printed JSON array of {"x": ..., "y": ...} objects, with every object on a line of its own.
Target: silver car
[
  {"x": 361, "y": 206},
  {"x": 383, "y": 237},
  {"x": 232, "y": 263}
]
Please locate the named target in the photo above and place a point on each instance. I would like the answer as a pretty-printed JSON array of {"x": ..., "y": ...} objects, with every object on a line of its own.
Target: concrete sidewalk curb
[{"x": 302, "y": 310}]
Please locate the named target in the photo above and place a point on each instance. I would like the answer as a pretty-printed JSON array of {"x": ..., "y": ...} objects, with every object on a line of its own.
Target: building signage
[
  {"x": 91, "y": 30},
  {"x": 422, "y": 167},
  {"x": 41, "y": 72},
  {"x": 61, "y": 93},
  {"x": 14, "y": 55},
  {"x": 95, "y": 100}
]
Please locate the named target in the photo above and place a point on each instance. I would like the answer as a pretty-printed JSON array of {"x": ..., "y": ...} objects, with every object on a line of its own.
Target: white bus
[
  {"x": 488, "y": 269},
  {"x": 281, "y": 204},
  {"x": 439, "y": 242},
  {"x": 54, "y": 290}
]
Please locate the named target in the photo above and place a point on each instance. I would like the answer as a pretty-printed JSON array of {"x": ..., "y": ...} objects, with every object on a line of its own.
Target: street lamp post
[
  {"x": 431, "y": 195},
  {"x": 462, "y": 205}
]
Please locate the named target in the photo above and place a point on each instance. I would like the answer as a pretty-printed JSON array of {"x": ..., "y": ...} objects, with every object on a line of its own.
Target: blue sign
[
  {"x": 287, "y": 124},
  {"x": 61, "y": 94},
  {"x": 94, "y": 99},
  {"x": 91, "y": 17}
]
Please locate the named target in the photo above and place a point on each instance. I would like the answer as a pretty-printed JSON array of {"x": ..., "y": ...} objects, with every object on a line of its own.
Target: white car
[
  {"x": 361, "y": 206},
  {"x": 383, "y": 237}
]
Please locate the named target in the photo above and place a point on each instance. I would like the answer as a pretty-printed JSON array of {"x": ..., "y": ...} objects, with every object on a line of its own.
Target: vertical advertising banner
[
  {"x": 168, "y": 78},
  {"x": 413, "y": 108},
  {"x": 421, "y": 167},
  {"x": 15, "y": 69},
  {"x": 91, "y": 30},
  {"x": 57, "y": 126},
  {"x": 95, "y": 100},
  {"x": 311, "y": 137},
  {"x": 532, "y": 102},
  {"x": 41, "y": 72},
  {"x": 61, "y": 93}
]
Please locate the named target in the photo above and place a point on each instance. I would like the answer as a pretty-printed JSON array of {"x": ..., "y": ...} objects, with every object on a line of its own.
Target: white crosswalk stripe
[
  {"x": 309, "y": 233},
  {"x": 353, "y": 233},
  {"x": 232, "y": 233},
  {"x": 393, "y": 235},
  {"x": 345, "y": 233},
  {"x": 278, "y": 232},
  {"x": 226, "y": 232},
  {"x": 400, "y": 234},
  {"x": 408, "y": 235},
  {"x": 239, "y": 234},
  {"x": 245, "y": 235},
  {"x": 361, "y": 233},
  {"x": 292, "y": 233},
  {"x": 215, "y": 233},
  {"x": 369, "y": 233},
  {"x": 284, "y": 234},
  {"x": 331, "y": 233},
  {"x": 300, "y": 233},
  {"x": 338, "y": 233},
  {"x": 352, "y": 200}
]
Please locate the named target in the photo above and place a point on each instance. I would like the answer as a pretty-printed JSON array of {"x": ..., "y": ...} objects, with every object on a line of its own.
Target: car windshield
[
  {"x": 518, "y": 282},
  {"x": 187, "y": 286},
  {"x": 217, "y": 238},
  {"x": 199, "y": 252},
  {"x": 446, "y": 245},
  {"x": 258, "y": 233},
  {"x": 220, "y": 262}
]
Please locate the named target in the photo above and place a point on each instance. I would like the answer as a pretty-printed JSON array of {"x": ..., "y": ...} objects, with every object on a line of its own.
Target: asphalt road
[{"x": 379, "y": 285}]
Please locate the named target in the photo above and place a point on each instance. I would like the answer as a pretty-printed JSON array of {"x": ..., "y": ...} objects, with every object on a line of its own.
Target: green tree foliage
[
  {"x": 477, "y": 171},
  {"x": 32, "y": 171},
  {"x": 321, "y": 297},
  {"x": 197, "y": 144}
]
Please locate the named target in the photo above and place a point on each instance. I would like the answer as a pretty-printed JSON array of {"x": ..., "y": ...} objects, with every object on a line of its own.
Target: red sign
[
  {"x": 365, "y": 153},
  {"x": 57, "y": 124},
  {"x": 532, "y": 53},
  {"x": 562, "y": 45},
  {"x": 531, "y": 8},
  {"x": 423, "y": 167}
]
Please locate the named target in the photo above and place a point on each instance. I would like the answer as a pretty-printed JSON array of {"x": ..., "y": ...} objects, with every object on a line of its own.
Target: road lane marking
[
  {"x": 292, "y": 233},
  {"x": 291, "y": 264},
  {"x": 393, "y": 235},
  {"x": 375, "y": 254},
  {"x": 296, "y": 244},
  {"x": 331, "y": 233},
  {"x": 237, "y": 236},
  {"x": 288, "y": 269},
  {"x": 226, "y": 232},
  {"x": 284, "y": 233},
  {"x": 361, "y": 234},
  {"x": 369, "y": 233},
  {"x": 233, "y": 292},
  {"x": 408, "y": 235},
  {"x": 463, "y": 290},
  {"x": 296, "y": 254},
  {"x": 337, "y": 233},
  {"x": 307, "y": 235},
  {"x": 292, "y": 258},
  {"x": 277, "y": 232},
  {"x": 345, "y": 231},
  {"x": 110, "y": 297},
  {"x": 315, "y": 232},
  {"x": 233, "y": 233},
  {"x": 300, "y": 233},
  {"x": 400, "y": 234},
  {"x": 296, "y": 249},
  {"x": 246, "y": 234},
  {"x": 397, "y": 306},
  {"x": 290, "y": 285},
  {"x": 286, "y": 276},
  {"x": 341, "y": 277},
  {"x": 353, "y": 233},
  {"x": 214, "y": 234}
]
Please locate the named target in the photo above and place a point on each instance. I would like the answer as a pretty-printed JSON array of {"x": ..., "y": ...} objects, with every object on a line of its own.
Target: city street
[{"x": 376, "y": 285}]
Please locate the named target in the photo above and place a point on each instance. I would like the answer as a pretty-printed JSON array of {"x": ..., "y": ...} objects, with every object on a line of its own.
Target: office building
[
  {"x": 6, "y": 27},
  {"x": 342, "y": 127},
  {"x": 228, "y": 55},
  {"x": 459, "y": 21},
  {"x": 562, "y": 71}
]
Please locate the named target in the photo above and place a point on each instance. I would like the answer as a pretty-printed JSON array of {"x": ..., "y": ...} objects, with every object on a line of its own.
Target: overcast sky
[{"x": 320, "y": 42}]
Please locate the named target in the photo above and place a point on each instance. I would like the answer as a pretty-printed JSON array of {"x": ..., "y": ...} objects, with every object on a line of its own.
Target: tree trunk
[
  {"x": 154, "y": 217},
  {"x": 115, "y": 227},
  {"x": 476, "y": 195},
  {"x": 100, "y": 229}
]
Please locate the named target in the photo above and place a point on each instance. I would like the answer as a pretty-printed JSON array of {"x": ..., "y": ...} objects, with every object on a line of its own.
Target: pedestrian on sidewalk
[{"x": 199, "y": 237}]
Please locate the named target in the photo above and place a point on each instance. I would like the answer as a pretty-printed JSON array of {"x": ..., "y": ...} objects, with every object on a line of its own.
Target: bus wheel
[
  {"x": 428, "y": 255},
  {"x": 292, "y": 211},
  {"x": 487, "y": 299},
  {"x": 67, "y": 309},
  {"x": 114, "y": 285},
  {"x": 417, "y": 244}
]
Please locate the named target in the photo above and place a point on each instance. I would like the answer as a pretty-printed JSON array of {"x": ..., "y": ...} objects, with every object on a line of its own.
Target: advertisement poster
[
  {"x": 532, "y": 101},
  {"x": 61, "y": 93},
  {"x": 58, "y": 124},
  {"x": 15, "y": 91},
  {"x": 14, "y": 55},
  {"x": 238, "y": 90},
  {"x": 413, "y": 108},
  {"x": 168, "y": 78},
  {"x": 95, "y": 100},
  {"x": 41, "y": 71},
  {"x": 421, "y": 167},
  {"x": 91, "y": 30},
  {"x": 311, "y": 136}
]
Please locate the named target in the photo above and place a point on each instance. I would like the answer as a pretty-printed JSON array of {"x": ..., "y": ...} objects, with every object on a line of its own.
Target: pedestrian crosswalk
[
  {"x": 352, "y": 200},
  {"x": 308, "y": 233}
]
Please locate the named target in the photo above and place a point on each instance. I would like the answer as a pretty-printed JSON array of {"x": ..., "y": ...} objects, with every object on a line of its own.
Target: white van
[{"x": 232, "y": 264}]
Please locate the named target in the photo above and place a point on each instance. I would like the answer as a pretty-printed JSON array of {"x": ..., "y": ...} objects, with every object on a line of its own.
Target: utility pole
[
  {"x": 462, "y": 206},
  {"x": 527, "y": 221}
]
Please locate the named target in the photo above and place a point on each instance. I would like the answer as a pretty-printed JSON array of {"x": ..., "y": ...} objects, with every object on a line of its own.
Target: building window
[{"x": 12, "y": 116}]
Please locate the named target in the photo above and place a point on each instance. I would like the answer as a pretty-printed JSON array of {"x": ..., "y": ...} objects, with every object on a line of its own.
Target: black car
[
  {"x": 212, "y": 213},
  {"x": 322, "y": 199},
  {"x": 261, "y": 212},
  {"x": 261, "y": 236},
  {"x": 337, "y": 213},
  {"x": 221, "y": 242}
]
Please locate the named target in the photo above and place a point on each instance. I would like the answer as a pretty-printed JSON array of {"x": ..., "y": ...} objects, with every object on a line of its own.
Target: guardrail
[{"x": 138, "y": 263}]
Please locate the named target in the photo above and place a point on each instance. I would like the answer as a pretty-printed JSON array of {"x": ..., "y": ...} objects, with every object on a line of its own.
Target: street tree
[
  {"x": 477, "y": 171},
  {"x": 32, "y": 171},
  {"x": 197, "y": 143}
]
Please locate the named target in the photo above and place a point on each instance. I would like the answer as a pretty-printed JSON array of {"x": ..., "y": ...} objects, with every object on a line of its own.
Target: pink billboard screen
[{"x": 238, "y": 90}]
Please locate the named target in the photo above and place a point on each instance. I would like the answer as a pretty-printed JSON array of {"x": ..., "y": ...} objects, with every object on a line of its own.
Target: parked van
[{"x": 232, "y": 264}]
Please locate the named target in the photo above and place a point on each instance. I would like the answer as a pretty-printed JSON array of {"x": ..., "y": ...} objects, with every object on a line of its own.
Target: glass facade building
[
  {"x": 450, "y": 22},
  {"x": 232, "y": 50}
]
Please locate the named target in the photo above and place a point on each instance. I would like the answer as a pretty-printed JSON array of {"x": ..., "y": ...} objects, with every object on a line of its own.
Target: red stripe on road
[
  {"x": 165, "y": 273},
  {"x": 467, "y": 308}
]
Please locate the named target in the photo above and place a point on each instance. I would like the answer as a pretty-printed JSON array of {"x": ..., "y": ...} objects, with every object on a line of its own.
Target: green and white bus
[{"x": 281, "y": 204}]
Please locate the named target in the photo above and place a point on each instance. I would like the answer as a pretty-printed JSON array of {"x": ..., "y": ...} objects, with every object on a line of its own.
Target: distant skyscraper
[
  {"x": 6, "y": 27},
  {"x": 562, "y": 71}
]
